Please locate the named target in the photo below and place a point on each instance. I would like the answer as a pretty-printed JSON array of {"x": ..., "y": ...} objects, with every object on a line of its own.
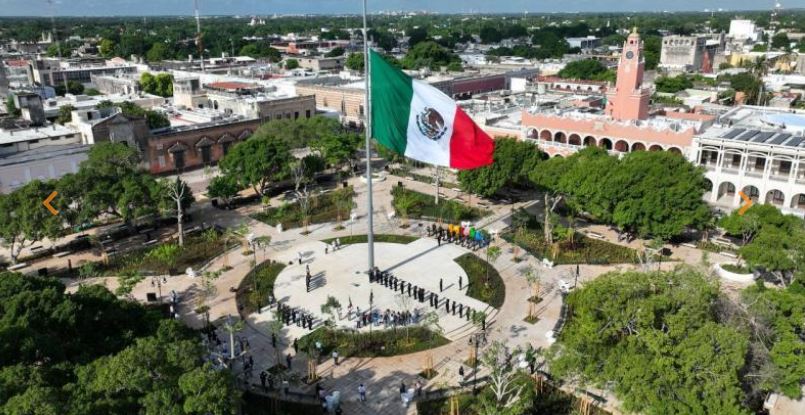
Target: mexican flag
[{"x": 419, "y": 121}]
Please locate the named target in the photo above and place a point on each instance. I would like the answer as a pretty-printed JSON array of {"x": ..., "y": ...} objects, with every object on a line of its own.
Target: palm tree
[{"x": 232, "y": 235}]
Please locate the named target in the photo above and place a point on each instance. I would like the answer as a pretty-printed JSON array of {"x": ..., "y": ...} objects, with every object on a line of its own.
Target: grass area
[
  {"x": 264, "y": 276},
  {"x": 736, "y": 269},
  {"x": 441, "y": 406},
  {"x": 362, "y": 239},
  {"x": 582, "y": 250},
  {"x": 254, "y": 404},
  {"x": 416, "y": 205},
  {"x": 379, "y": 343},
  {"x": 323, "y": 208},
  {"x": 493, "y": 292},
  {"x": 197, "y": 250}
]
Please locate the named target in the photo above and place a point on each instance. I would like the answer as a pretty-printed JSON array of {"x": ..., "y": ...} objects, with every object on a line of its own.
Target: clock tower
[{"x": 629, "y": 100}]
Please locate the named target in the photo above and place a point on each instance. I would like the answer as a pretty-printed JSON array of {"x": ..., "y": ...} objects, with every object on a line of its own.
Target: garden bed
[
  {"x": 196, "y": 252},
  {"x": 736, "y": 269},
  {"x": 323, "y": 208},
  {"x": 362, "y": 239},
  {"x": 582, "y": 250},
  {"x": 247, "y": 297},
  {"x": 416, "y": 205},
  {"x": 423, "y": 178},
  {"x": 378, "y": 343},
  {"x": 493, "y": 293}
]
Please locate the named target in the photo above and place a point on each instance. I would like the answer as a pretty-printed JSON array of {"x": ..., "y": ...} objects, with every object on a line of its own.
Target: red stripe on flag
[{"x": 470, "y": 146}]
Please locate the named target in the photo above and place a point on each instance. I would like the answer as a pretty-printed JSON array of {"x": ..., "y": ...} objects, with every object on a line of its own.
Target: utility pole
[
  {"x": 370, "y": 239},
  {"x": 199, "y": 40}
]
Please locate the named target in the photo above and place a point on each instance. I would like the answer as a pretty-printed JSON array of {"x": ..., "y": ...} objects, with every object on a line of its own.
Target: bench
[
  {"x": 21, "y": 265},
  {"x": 37, "y": 248},
  {"x": 689, "y": 245},
  {"x": 61, "y": 254},
  {"x": 729, "y": 254},
  {"x": 150, "y": 243}
]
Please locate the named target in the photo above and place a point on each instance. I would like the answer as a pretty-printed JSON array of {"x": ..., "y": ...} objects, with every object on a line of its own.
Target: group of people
[
  {"x": 290, "y": 315},
  {"x": 388, "y": 280},
  {"x": 333, "y": 246},
  {"x": 388, "y": 318},
  {"x": 466, "y": 236}
]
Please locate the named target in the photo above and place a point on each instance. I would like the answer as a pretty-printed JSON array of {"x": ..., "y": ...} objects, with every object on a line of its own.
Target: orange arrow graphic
[
  {"x": 747, "y": 205},
  {"x": 47, "y": 203}
]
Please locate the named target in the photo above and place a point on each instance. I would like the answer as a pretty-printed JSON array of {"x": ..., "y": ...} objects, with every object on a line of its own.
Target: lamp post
[
  {"x": 158, "y": 282},
  {"x": 477, "y": 337},
  {"x": 253, "y": 242}
]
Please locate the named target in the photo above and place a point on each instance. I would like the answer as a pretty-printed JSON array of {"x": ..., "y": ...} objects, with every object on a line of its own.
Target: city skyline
[{"x": 260, "y": 7}]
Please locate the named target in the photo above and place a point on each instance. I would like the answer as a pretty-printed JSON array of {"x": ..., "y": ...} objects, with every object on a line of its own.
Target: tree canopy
[
  {"x": 429, "y": 54},
  {"x": 587, "y": 69},
  {"x": 257, "y": 162},
  {"x": 625, "y": 192},
  {"x": 91, "y": 353},
  {"x": 161, "y": 84},
  {"x": 657, "y": 339},
  {"x": 513, "y": 160}
]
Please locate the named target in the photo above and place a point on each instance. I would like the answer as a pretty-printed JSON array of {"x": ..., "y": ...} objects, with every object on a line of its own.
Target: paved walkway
[{"x": 382, "y": 376}]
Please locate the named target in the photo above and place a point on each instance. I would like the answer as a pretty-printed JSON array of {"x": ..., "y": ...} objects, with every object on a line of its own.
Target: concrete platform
[{"x": 341, "y": 274}]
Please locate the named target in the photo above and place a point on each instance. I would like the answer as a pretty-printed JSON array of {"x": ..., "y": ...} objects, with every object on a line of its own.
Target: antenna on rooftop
[
  {"x": 199, "y": 41},
  {"x": 55, "y": 38}
]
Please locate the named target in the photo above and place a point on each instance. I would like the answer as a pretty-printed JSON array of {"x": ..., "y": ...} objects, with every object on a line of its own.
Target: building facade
[
  {"x": 682, "y": 53},
  {"x": 747, "y": 153},
  {"x": 191, "y": 147}
]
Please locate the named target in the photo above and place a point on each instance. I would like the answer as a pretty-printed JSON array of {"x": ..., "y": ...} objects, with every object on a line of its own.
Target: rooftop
[
  {"x": 42, "y": 153},
  {"x": 761, "y": 125},
  {"x": 34, "y": 133}
]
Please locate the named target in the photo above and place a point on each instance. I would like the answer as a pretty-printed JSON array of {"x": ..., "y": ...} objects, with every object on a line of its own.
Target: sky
[{"x": 266, "y": 7}]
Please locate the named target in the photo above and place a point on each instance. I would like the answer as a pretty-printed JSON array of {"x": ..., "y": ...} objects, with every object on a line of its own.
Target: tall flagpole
[{"x": 370, "y": 237}]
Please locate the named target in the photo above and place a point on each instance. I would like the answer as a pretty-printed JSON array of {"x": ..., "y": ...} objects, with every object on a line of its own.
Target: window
[
  {"x": 360, "y": 110},
  {"x": 206, "y": 154},
  {"x": 785, "y": 167},
  {"x": 296, "y": 115},
  {"x": 760, "y": 163},
  {"x": 225, "y": 146},
  {"x": 307, "y": 114},
  {"x": 736, "y": 160}
]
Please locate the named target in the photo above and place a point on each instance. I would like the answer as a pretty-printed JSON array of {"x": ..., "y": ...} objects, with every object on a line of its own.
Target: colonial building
[
  {"x": 194, "y": 146},
  {"x": 759, "y": 151},
  {"x": 624, "y": 126}
]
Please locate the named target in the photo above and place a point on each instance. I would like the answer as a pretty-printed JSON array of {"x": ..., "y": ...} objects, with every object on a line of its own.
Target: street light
[
  {"x": 158, "y": 282},
  {"x": 477, "y": 337}
]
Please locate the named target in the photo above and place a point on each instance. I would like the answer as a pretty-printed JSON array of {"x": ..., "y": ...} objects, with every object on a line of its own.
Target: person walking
[
  {"x": 288, "y": 361},
  {"x": 335, "y": 357},
  {"x": 459, "y": 281},
  {"x": 441, "y": 285},
  {"x": 362, "y": 392},
  {"x": 299, "y": 257},
  {"x": 403, "y": 389},
  {"x": 263, "y": 378},
  {"x": 461, "y": 373},
  {"x": 296, "y": 345}
]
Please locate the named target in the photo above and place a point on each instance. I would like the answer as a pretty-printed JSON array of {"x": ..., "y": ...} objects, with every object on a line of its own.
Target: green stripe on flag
[{"x": 391, "y": 103}]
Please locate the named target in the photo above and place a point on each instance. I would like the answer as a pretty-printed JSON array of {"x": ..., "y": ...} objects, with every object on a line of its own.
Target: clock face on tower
[{"x": 629, "y": 55}]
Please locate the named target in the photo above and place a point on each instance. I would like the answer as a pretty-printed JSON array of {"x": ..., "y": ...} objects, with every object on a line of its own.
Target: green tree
[
  {"x": 158, "y": 52},
  {"x": 107, "y": 48},
  {"x": 654, "y": 335},
  {"x": 65, "y": 114},
  {"x": 513, "y": 161},
  {"x": 781, "y": 41},
  {"x": 674, "y": 84},
  {"x": 166, "y": 255},
  {"x": 223, "y": 187},
  {"x": 257, "y": 161},
  {"x": 24, "y": 220},
  {"x": 11, "y": 107},
  {"x": 291, "y": 64},
  {"x": 583, "y": 69},
  {"x": 161, "y": 84},
  {"x": 338, "y": 149},
  {"x": 355, "y": 62},
  {"x": 335, "y": 52},
  {"x": 416, "y": 36},
  {"x": 428, "y": 54},
  {"x": 490, "y": 34},
  {"x": 208, "y": 391}
]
